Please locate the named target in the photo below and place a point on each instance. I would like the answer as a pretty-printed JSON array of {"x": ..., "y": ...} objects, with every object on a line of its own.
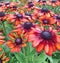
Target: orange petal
[
  {"x": 46, "y": 48},
  {"x": 2, "y": 42},
  {"x": 0, "y": 49},
  {"x": 15, "y": 49},
  {"x": 50, "y": 50},
  {"x": 40, "y": 47},
  {"x": 58, "y": 45},
  {"x": 10, "y": 44},
  {"x": 17, "y": 22},
  {"x": 2, "y": 37},
  {"x": 11, "y": 35},
  {"x": 52, "y": 21}
]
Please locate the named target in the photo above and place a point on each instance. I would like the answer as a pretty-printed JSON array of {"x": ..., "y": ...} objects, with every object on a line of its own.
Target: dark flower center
[
  {"x": 7, "y": 3},
  {"x": 45, "y": 21},
  {"x": 28, "y": 14},
  {"x": 19, "y": 16},
  {"x": 0, "y": 5},
  {"x": 2, "y": 14},
  {"x": 44, "y": 10},
  {"x": 14, "y": 7},
  {"x": 0, "y": 60},
  {"x": 18, "y": 41},
  {"x": 39, "y": 0},
  {"x": 43, "y": 1},
  {"x": 58, "y": 27},
  {"x": 46, "y": 35},
  {"x": 30, "y": 4},
  {"x": 27, "y": 25},
  {"x": 58, "y": 17},
  {"x": 53, "y": 1}
]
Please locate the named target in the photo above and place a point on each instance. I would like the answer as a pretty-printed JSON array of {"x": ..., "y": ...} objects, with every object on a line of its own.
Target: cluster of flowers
[
  {"x": 49, "y": 2},
  {"x": 40, "y": 26}
]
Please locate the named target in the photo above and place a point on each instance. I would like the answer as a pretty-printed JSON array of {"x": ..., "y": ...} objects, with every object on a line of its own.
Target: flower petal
[
  {"x": 15, "y": 49},
  {"x": 40, "y": 47},
  {"x": 57, "y": 45},
  {"x": 36, "y": 42}
]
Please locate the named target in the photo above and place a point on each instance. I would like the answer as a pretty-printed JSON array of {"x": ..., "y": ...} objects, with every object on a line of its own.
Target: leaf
[
  {"x": 20, "y": 57},
  {"x": 7, "y": 28},
  {"x": 50, "y": 58},
  {"x": 28, "y": 49},
  {"x": 55, "y": 60},
  {"x": 41, "y": 58}
]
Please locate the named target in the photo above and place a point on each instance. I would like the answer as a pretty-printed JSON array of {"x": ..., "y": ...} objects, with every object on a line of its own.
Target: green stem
[{"x": 4, "y": 29}]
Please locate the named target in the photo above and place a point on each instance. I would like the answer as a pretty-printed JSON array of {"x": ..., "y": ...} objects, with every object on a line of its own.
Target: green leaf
[
  {"x": 50, "y": 58},
  {"x": 55, "y": 60},
  {"x": 41, "y": 58},
  {"x": 20, "y": 57}
]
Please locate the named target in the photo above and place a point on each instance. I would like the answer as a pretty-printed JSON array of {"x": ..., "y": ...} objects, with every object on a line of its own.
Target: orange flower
[
  {"x": 16, "y": 42},
  {"x": 3, "y": 58},
  {"x": 12, "y": 6},
  {"x": 45, "y": 20},
  {"x": 29, "y": 6},
  {"x": 41, "y": 2},
  {"x": 41, "y": 12},
  {"x": 17, "y": 18},
  {"x": 1, "y": 39},
  {"x": 53, "y": 3},
  {"x": 48, "y": 40},
  {"x": 58, "y": 20}
]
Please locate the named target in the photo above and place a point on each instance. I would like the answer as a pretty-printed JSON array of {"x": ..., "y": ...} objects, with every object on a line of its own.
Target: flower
[
  {"x": 45, "y": 20},
  {"x": 38, "y": 12},
  {"x": 16, "y": 18},
  {"x": 58, "y": 28},
  {"x": 2, "y": 16},
  {"x": 41, "y": 2},
  {"x": 17, "y": 41},
  {"x": 45, "y": 39},
  {"x": 25, "y": 27},
  {"x": 1, "y": 39},
  {"x": 29, "y": 6},
  {"x": 58, "y": 20},
  {"x": 9, "y": 6},
  {"x": 53, "y": 3},
  {"x": 3, "y": 58}
]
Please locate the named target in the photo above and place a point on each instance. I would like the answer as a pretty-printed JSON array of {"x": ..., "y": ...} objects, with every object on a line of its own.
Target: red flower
[
  {"x": 25, "y": 27},
  {"x": 45, "y": 39}
]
